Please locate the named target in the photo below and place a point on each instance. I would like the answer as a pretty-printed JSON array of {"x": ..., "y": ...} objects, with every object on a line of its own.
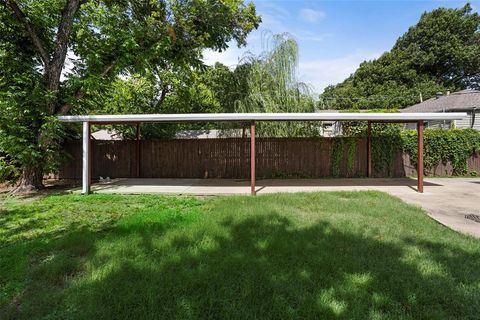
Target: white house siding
[
  {"x": 466, "y": 122},
  {"x": 410, "y": 126},
  {"x": 439, "y": 124},
  {"x": 459, "y": 124},
  {"x": 447, "y": 124}
]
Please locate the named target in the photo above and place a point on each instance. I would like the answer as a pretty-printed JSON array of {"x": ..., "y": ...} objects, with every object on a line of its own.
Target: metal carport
[{"x": 418, "y": 118}]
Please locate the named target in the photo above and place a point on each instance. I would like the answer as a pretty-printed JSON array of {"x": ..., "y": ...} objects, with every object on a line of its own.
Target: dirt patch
[{"x": 51, "y": 186}]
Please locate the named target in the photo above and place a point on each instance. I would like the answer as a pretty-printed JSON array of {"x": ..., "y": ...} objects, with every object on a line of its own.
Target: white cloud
[
  {"x": 228, "y": 57},
  {"x": 311, "y": 15},
  {"x": 324, "y": 72}
]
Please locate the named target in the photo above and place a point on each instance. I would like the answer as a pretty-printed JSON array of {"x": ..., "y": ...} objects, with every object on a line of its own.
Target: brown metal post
[
  {"x": 369, "y": 149},
  {"x": 420, "y": 157},
  {"x": 252, "y": 158},
  {"x": 137, "y": 152}
]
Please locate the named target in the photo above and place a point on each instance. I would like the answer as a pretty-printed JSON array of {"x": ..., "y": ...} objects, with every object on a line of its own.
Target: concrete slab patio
[{"x": 454, "y": 202}]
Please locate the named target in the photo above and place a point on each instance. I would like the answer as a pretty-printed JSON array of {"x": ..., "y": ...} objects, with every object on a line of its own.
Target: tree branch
[
  {"x": 32, "y": 32},
  {"x": 107, "y": 69},
  {"x": 61, "y": 44},
  {"x": 79, "y": 94},
  {"x": 163, "y": 94},
  {"x": 64, "y": 109}
]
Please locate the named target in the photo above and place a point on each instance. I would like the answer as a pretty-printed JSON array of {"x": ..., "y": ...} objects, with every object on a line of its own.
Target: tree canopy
[
  {"x": 57, "y": 56},
  {"x": 441, "y": 52}
]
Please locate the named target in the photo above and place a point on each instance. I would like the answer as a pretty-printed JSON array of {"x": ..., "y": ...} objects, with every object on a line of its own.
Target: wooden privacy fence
[{"x": 230, "y": 158}]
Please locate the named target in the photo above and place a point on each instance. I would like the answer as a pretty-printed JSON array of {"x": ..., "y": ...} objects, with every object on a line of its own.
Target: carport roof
[{"x": 315, "y": 116}]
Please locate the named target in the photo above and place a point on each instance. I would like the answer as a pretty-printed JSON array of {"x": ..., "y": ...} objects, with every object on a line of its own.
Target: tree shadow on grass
[
  {"x": 45, "y": 265},
  {"x": 16, "y": 223},
  {"x": 268, "y": 268}
]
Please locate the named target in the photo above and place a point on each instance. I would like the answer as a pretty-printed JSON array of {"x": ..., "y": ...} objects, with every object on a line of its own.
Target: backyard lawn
[{"x": 318, "y": 255}]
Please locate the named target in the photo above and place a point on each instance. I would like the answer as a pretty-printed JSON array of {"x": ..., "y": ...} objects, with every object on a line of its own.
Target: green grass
[{"x": 363, "y": 255}]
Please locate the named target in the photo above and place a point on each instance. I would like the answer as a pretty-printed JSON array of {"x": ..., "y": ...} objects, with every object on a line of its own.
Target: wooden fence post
[{"x": 137, "y": 151}]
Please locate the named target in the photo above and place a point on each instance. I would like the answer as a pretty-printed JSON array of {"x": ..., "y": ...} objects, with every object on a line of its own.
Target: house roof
[
  {"x": 212, "y": 117},
  {"x": 107, "y": 134},
  {"x": 459, "y": 101}
]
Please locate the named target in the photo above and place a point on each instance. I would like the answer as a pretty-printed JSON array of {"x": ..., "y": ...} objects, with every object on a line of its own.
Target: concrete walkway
[{"x": 454, "y": 202}]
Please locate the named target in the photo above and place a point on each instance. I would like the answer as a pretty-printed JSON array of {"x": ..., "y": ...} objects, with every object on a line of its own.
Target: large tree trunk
[
  {"x": 31, "y": 180},
  {"x": 53, "y": 63}
]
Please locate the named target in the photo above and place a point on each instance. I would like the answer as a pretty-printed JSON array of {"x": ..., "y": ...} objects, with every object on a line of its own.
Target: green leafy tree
[
  {"x": 441, "y": 52},
  {"x": 207, "y": 90},
  {"x": 182, "y": 91},
  {"x": 228, "y": 86},
  {"x": 272, "y": 86},
  {"x": 56, "y": 55}
]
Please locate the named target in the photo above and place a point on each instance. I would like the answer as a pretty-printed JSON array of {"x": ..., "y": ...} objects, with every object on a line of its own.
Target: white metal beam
[{"x": 315, "y": 116}]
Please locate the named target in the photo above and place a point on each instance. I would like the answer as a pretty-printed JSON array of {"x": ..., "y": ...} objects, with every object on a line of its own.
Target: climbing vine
[
  {"x": 351, "y": 145},
  {"x": 336, "y": 156},
  {"x": 442, "y": 146},
  {"x": 341, "y": 146},
  {"x": 386, "y": 144}
]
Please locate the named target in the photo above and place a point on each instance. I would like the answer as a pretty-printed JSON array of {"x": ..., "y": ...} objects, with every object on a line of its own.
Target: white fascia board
[{"x": 214, "y": 117}]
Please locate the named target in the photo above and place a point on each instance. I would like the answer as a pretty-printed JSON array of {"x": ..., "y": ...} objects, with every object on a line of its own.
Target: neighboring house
[
  {"x": 462, "y": 101},
  {"x": 107, "y": 134},
  {"x": 330, "y": 128},
  {"x": 209, "y": 134}
]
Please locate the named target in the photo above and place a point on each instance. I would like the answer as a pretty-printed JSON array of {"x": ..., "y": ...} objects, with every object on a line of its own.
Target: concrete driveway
[{"x": 454, "y": 202}]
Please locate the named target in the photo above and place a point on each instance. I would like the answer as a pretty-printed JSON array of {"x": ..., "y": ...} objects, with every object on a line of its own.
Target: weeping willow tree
[{"x": 273, "y": 87}]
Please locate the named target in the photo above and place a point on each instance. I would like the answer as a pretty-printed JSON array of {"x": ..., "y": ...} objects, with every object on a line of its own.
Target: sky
[{"x": 334, "y": 37}]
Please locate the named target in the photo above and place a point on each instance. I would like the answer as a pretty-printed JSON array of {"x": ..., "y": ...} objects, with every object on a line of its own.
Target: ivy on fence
[
  {"x": 442, "y": 146},
  {"x": 340, "y": 146}
]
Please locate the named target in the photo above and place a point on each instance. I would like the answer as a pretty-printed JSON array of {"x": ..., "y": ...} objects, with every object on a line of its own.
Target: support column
[
  {"x": 369, "y": 150},
  {"x": 137, "y": 152},
  {"x": 420, "y": 127},
  {"x": 252, "y": 158},
  {"x": 86, "y": 163}
]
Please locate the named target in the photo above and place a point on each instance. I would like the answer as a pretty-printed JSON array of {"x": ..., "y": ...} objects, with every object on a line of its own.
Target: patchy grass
[{"x": 317, "y": 255}]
